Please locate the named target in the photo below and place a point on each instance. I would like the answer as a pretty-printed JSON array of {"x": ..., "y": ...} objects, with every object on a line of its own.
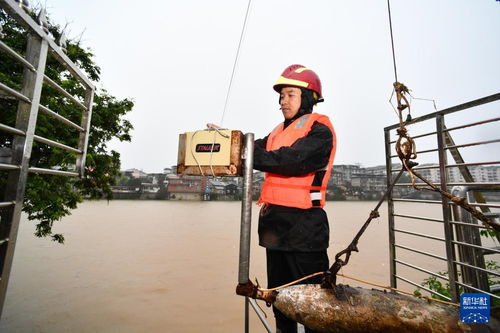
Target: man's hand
[{"x": 210, "y": 125}]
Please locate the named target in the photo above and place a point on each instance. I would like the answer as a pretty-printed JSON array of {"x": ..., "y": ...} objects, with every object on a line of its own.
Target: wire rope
[
  {"x": 392, "y": 41},
  {"x": 235, "y": 62}
]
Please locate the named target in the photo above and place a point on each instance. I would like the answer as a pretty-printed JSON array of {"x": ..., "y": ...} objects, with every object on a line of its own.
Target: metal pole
[
  {"x": 246, "y": 219},
  {"x": 390, "y": 209},
  {"x": 247, "y": 317},
  {"x": 84, "y": 136},
  {"x": 27, "y": 113},
  {"x": 246, "y": 210},
  {"x": 260, "y": 314},
  {"x": 448, "y": 231}
]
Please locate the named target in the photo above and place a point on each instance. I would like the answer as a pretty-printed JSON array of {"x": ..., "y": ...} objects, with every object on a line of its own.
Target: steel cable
[{"x": 235, "y": 62}]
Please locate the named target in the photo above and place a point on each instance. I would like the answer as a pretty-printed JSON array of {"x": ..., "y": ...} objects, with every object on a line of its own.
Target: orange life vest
[{"x": 299, "y": 191}]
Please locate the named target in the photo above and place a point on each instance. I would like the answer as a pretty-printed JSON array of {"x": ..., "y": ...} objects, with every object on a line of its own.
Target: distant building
[
  {"x": 337, "y": 178},
  {"x": 135, "y": 173},
  {"x": 430, "y": 174},
  {"x": 216, "y": 187},
  {"x": 125, "y": 189},
  {"x": 186, "y": 187},
  {"x": 231, "y": 189},
  {"x": 345, "y": 172},
  {"x": 171, "y": 170},
  {"x": 379, "y": 170},
  {"x": 369, "y": 182},
  {"x": 150, "y": 188},
  {"x": 480, "y": 173}
]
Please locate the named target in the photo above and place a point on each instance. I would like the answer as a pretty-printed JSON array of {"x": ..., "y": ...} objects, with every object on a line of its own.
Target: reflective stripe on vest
[
  {"x": 315, "y": 196},
  {"x": 296, "y": 191},
  {"x": 302, "y": 121}
]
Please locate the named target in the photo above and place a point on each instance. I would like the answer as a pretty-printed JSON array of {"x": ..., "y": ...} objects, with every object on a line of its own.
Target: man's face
[{"x": 290, "y": 101}]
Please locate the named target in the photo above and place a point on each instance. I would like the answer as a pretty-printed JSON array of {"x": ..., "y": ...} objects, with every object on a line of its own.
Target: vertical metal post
[
  {"x": 246, "y": 218},
  {"x": 246, "y": 210},
  {"x": 469, "y": 255},
  {"x": 448, "y": 231},
  {"x": 465, "y": 172},
  {"x": 84, "y": 136},
  {"x": 390, "y": 209},
  {"x": 27, "y": 113},
  {"x": 247, "y": 317}
]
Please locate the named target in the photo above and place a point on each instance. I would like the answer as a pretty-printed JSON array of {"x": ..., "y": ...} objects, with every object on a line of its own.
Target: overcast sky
[{"x": 174, "y": 59}]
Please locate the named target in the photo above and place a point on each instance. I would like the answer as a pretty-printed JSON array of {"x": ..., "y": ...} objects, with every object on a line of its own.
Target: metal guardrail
[
  {"x": 464, "y": 244},
  {"x": 11, "y": 130},
  {"x": 16, "y": 165},
  {"x": 14, "y": 93},
  {"x": 453, "y": 184},
  {"x": 64, "y": 92},
  {"x": 455, "y": 128},
  {"x": 429, "y": 167},
  {"x": 260, "y": 314},
  {"x": 464, "y": 251},
  {"x": 471, "y": 144},
  {"x": 16, "y": 56},
  {"x": 16, "y": 11},
  {"x": 57, "y": 116}
]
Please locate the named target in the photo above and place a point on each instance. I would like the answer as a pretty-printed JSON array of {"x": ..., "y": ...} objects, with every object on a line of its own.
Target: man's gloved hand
[{"x": 210, "y": 125}]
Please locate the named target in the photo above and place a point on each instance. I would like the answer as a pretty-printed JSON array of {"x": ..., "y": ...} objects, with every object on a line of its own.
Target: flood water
[{"x": 165, "y": 266}]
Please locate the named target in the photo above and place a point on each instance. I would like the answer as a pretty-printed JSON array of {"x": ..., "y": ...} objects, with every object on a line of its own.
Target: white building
[
  {"x": 135, "y": 173},
  {"x": 480, "y": 173}
]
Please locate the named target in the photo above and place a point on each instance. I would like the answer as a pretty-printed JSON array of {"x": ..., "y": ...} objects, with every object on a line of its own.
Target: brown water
[{"x": 164, "y": 266}]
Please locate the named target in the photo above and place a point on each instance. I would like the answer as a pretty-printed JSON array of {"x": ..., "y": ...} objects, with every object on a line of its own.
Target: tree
[{"x": 49, "y": 198}]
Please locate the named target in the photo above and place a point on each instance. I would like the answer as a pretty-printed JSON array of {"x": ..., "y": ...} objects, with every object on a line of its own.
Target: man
[{"x": 297, "y": 157}]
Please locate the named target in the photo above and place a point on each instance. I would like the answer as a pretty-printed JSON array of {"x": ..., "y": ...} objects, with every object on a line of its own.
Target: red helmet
[{"x": 301, "y": 77}]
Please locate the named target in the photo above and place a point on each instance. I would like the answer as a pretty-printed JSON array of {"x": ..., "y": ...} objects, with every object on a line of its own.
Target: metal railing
[
  {"x": 39, "y": 46},
  {"x": 459, "y": 239}
]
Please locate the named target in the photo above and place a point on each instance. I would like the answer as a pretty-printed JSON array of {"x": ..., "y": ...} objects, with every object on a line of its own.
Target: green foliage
[
  {"x": 490, "y": 233},
  {"x": 49, "y": 198},
  {"x": 434, "y": 284},
  {"x": 493, "y": 266}
]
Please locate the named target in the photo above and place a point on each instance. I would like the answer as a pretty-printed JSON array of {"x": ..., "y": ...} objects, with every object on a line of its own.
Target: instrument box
[{"x": 210, "y": 153}]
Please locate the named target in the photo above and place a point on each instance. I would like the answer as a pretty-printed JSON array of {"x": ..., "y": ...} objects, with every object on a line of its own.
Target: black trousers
[{"x": 284, "y": 267}]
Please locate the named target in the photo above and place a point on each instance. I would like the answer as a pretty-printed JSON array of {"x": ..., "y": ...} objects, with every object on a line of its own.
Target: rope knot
[
  {"x": 402, "y": 131},
  {"x": 353, "y": 247}
]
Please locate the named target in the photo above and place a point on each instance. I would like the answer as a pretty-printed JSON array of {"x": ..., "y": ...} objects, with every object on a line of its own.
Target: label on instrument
[{"x": 207, "y": 147}]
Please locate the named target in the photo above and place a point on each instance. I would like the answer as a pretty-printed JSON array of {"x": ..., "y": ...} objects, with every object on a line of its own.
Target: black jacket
[{"x": 287, "y": 228}]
